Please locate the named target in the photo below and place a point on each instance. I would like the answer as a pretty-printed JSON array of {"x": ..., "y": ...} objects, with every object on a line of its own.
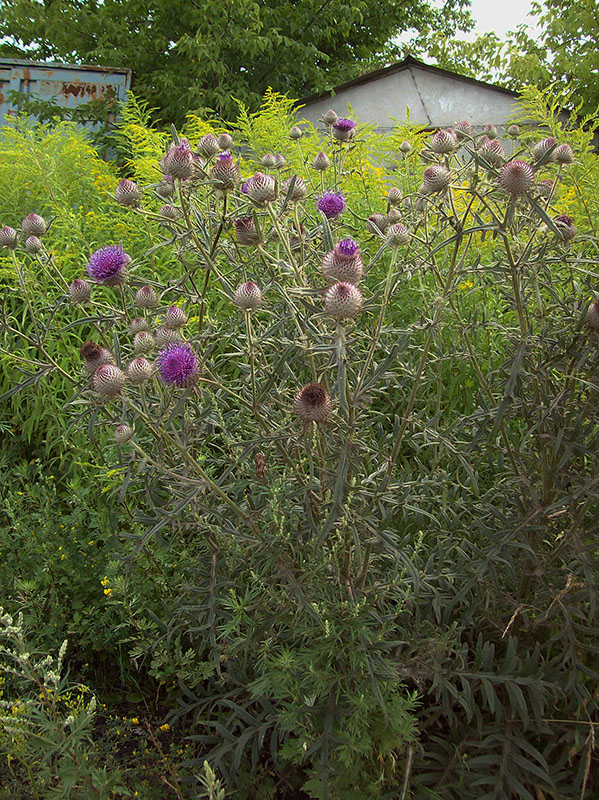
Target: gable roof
[{"x": 400, "y": 66}]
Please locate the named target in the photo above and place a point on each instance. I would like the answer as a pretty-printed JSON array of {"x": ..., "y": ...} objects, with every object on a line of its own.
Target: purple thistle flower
[
  {"x": 332, "y": 204},
  {"x": 344, "y": 124},
  {"x": 244, "y": 187},
  {"x": 108, "y": 265},
  {"x": 178, "y": 364},
  {"x": 347, "y": 247}
]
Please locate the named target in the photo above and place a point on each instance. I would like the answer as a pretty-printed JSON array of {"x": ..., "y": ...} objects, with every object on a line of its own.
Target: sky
[{"x": 499, "y": 16}]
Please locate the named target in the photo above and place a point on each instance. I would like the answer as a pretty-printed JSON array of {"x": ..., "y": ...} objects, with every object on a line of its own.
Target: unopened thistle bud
[
  {"x": 321, "y": 162},
  {"x": 563, "y": 154},
  {"x": 394, "y": 216},
  {"x": 108, "y": 381},
  {"x": 330, "y": 117},
  {"x": 494, "y": 152},
  {"x": 397, "y": 234},
  {"x": 405, "y": 148},
  {"x": 80, "y": 291},
  {"x": 300, "y": 190},
  {"x": 295, "y": 133},
  {"x": 268, "y": 161},
  {"x": 146, "y": 297},
  {"x": 123, "y": 433},
  {"x": 8, "y": 237},
  {"x": 463, "y": 130},
  {"x": 245, "y": 231},
  {"x": 248, "y": 296},
  {"x": 165, "y": 188},
  {"x": 513, "y": 131},
  {"x": 261, "y": 188},
  {"x": 543, "y": 147},
  {"x": 435, "y": 179},
  {"x": 343, "y": 300},
  {"x": 344, "y": 129},
  {"x": 394, "y": 196},
  {"x": 175, "y": 317},
  {"x": 261, "y": 465},
  {"x": 166, "y": 336},
  {"x": 138, "y": 324},
  {"x": 377, "y": 223},
  {"x": 225, "y": 171},
  {"x": 178, "y": 162},
  {"x": 33, "y": 225},
  {"x": 280, "y": 161},
  {"x": 516, "y": 177},
  {"x": 94, "y": 356},
  {"x": 208, "y": 145},
  {"x": 566, "y": 227},
  {"x": 444, "y": 142},
  {"x": 143, "y": 342},
  {"x": 169, "y": 212},
  {"x": 33, "y": 245},
  {"x": 490, "y": 131},
  {"x": 127, "y": 193},
  {"x": 225, "y": 141},
  {"x": 545, "y": 187},
  {"x": 312, "y": 403},
  {"x": 139, "y": 370},
  {"x": 592, "y": 317},
  {"x": 343, "y": 263}
]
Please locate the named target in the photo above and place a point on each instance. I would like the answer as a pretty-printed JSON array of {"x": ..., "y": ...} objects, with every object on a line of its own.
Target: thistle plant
[{"x": 320, "y": 396}]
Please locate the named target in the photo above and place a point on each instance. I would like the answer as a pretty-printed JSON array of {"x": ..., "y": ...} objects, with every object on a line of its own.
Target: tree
[
  {"x": 198, "y": 54},
  {"x": 565, "y": 51}
]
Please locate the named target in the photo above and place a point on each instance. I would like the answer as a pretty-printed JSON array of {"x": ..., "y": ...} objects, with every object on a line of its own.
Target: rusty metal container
[{"x": 65, "y": 84}]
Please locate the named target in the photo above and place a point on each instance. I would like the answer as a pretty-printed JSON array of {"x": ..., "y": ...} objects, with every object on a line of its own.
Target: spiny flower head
[
  {"x": 280, "y": 161},
  {"x": 397, "y": 234},
  {"x": 513, "y": 130},
  {"x": 394, "y": 196},
  {"x": 8, "y": 237},
  {"x": 178, "y": 364},
  {"x": 108, "y": 265},
  {"x": 178, "y": 162},
  {"x": 143, "y": 342},
  {"x": 405, "y": 148},
  {"x": 332, "y": 204},
  {"x": 175, "y": 317},
  {"x": 516, "y": 177},
  {"x": 139, "y": 370},
  {"x": 209, "y": 146},
  {"x": 463, "y": 129},
  {"x": 563, "y": 154},
  {"x": 225, "y": 171},
  {"x": 138, "y": 324},
  {"x": 295, "y": 133},
  {"x": 444, "y": 142},
  {"x": 330, "y": 117},
  {"x": 95, "y": 356},
  {"x": 494, "y": 152},
  {"x": 109, "y": 381},
  {"x": 225, "y": 141},
  {"x": 268, "y": 160},
  {"x": 300, "y": 190},
  {"x": 80, "y": 291},
  {"x": 321, "y": 162},
  {"x": 491, "y": 131},
  {"x": 343, "y": 129},
  {"x": 127, "y": 193},
  {"x": 343, "y": 263},
  {"x": 165, "y": 336},
  {"x": 33, "y": 225},
  {"x": 248, "y": 296},
  {"x": 165, "y": 188},
  {"x": 245, "y": 231},
  {"x": 33, "y": 245},
  {"x": 123, "y": 433},
  {"x": 343, "y": 300},
  {"x": 541, "y": 148},
  {"x": 592, "y": 316},
  {"x": 377, "y": 223},
  {"x": 312, "y": 403},
  {"x": 261, "y": 188},
  {"x": 545, "y": 187},
  {"x": 435, "y": 179},
  {"x": 146, "y": 297},
  {"x": 169, "y": 212}
]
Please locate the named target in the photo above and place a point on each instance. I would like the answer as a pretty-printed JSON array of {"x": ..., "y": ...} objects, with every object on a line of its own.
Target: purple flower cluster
[
  {"x": 347, "y": 247},
  {"x": 108, "y": 265},
  {"x": 332, "y": 204},
  {"x": 344, "y": 124},
  {"x": 178, "y": 364}
]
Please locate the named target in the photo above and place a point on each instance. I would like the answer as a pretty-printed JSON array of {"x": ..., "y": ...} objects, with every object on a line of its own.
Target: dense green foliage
[
  {"x": 564, "y": 50},
  {"x": 404, "y": 604},
  {"x": 212, "y": 51}
]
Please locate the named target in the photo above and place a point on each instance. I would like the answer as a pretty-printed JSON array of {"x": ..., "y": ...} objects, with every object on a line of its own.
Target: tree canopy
[
  {"x": 565, "y": 51},
  {"x": 199, "y": 54}
]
